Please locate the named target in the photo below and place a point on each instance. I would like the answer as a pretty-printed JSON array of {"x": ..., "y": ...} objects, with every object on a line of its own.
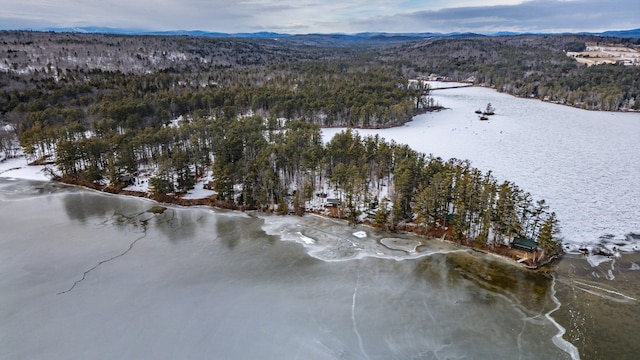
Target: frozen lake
[
  {"x": 94, "y": 276},
  {"x": 87, "y": 275},
  {"x": 585, "y": 164}
]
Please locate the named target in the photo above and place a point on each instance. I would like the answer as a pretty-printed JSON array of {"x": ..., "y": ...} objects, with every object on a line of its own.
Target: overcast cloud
[{"x": 326, "y": 16}]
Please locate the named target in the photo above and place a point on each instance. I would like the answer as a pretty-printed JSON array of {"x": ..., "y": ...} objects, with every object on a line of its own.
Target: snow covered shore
[{"x": 18, "y": 168}]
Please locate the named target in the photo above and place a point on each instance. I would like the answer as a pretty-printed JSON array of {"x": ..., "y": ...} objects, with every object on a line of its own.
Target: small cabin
[
  {"x": 524, "y": 244},
  {"x": 127, "y": 179},
  {"x": 333, "y": 202}
]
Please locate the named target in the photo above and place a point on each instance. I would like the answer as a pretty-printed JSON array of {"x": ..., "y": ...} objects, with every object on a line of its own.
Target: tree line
[{"x": 282, "y": 166}]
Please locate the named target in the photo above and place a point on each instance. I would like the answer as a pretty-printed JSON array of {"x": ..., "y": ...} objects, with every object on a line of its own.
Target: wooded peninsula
[{"x": 247, "y": 113}]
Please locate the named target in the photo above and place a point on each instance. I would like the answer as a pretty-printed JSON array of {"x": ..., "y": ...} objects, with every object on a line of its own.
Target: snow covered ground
[
  {"x": 198, "y": 191},
  {"x": 583, "y": 163},
  {"x": 446, "y": 84},
  {"x": 19, "y": 169}
]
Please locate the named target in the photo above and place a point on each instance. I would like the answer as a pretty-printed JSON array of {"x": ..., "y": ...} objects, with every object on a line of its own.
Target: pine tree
[
  {"x": 547, "y": 238},
  {"x": 382, "y": 215}
]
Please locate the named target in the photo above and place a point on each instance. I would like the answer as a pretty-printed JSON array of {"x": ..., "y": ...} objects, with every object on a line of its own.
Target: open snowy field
[{"x": 583, "y": 163}]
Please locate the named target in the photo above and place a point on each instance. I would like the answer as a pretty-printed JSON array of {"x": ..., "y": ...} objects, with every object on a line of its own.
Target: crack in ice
[
  {"x": 561, "y": 343},
  {"x": 605, "y": 290},
  {"x": 353, "y": 316},
  {"x": 84, "y": 275},
  {"x": 426, "y": 306}
]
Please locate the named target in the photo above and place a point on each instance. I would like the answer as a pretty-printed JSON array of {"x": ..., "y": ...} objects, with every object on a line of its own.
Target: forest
[
  {"x": 103, "y": 110},
  {"x": 281, "y": 167}
]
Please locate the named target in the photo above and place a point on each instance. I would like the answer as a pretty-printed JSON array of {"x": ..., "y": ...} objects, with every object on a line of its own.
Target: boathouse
[{"x": 524, "y": 244}]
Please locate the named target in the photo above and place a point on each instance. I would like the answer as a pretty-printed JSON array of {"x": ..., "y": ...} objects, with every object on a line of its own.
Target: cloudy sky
[{"x": 326, "y": 16}]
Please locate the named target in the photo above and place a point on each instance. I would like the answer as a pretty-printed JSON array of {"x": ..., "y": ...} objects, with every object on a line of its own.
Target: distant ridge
[
  {"x": 92, "y": 30},
  {"x": 256, "y": 35},
  {"x": 377, "y": 36},
  {"x": 634, "y": 34},
  {"x": 119, "y": 31}
]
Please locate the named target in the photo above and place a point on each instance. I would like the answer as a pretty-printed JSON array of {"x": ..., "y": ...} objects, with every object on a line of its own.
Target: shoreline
[
  {"x": 18, "y": 168},
  {"x": 35, "y": 173},
  {"x": 503, "y": 252},
  {"x": 578, "y": 107},
  {"x": 484, "y": 86}
]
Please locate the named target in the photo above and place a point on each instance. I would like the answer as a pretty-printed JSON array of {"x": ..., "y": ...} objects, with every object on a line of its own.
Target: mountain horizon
[{"x": 630, "y": 33}]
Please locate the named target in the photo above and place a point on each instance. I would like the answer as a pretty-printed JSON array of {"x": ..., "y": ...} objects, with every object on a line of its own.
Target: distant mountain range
[
  {"x": 635, "y": 34},
  {"x": 378, "y": 36}
]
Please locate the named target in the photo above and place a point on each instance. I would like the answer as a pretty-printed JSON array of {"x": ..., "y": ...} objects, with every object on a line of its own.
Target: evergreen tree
[{"x": 547, "y": 238}]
